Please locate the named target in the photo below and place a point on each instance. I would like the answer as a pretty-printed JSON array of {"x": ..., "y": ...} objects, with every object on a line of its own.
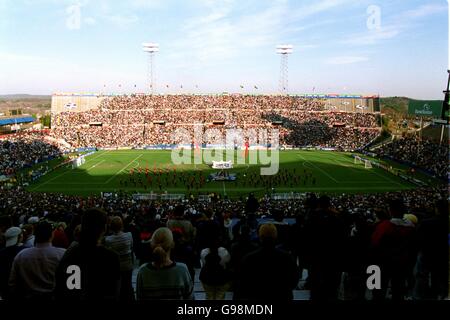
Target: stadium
[
  {"x": 147, "y": 195},
  {"x": 318, "y": 135},
  {"x": 140, "y": 160},
  {"x": 117, "y": 152}
]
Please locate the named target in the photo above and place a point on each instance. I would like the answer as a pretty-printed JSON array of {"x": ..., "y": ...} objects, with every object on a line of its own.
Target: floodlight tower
[
  {"x": 284, "y": 50},
  {"x": 151, "y": 49},
  {"x": 446, "y": 104}
]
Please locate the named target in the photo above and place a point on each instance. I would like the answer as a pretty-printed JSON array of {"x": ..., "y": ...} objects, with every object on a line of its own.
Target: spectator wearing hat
[
  {"x": 267, "y": 273},
  {"x": 33, "y": 220},
  {"x": 33, "y": 270},
  {"x": 13, "y": 239}
]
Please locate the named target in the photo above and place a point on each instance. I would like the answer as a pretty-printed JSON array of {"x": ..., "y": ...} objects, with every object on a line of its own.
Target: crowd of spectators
[
  {"x": 130, "y": 121},
  {"x": 25, "y": 149},
  {"x": 256, "y": 248},
  {"x": 425, "y": 154}
]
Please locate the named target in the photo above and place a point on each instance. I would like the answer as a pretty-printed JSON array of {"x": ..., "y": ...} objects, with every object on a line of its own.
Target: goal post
[{"x": 359, "y": 160}]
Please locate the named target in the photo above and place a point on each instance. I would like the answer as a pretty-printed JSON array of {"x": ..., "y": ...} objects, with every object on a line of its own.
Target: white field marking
[
  {"x": 380, "y": 175},
  {"x": 333, "y": 158},
  {"x": 49, "y": 180},
  {"x": 350, "y": 164},
  {"x": 365, "y": 182},
  {"x": 63, "y": 173},
  {"x": 123, "y": 169},
  {"x": 321, "y": 170},
  {"x": 97, "y": 156},
  {"x": 93, "y": 166},
  {"x": 374, "y": 172},
  {"x": 386, "y": 178},
  {"x": 137, "y": 164}
]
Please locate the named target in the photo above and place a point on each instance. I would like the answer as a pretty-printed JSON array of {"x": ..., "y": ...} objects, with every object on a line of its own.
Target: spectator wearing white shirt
[{"x": 33, "y": 270}]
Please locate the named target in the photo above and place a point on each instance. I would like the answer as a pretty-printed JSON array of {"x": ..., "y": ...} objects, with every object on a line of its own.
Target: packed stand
[
  {"x": 25, "y": 149},
  {"x": 254, "y": 248},
  {"x": 424, "y": 154},
  {"x": 132, "y": 121}
]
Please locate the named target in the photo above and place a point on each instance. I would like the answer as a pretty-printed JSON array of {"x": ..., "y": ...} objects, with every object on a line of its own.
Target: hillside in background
[
  {"x": 390, "y": 105},
  {"x": 29, "y": 104},
  {"x": 23, "y": 97}
]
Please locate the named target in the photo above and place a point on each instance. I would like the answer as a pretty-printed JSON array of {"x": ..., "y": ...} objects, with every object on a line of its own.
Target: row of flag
[
  {"x": 196, "y": 86},
  {"x": 181, "y": 86}
]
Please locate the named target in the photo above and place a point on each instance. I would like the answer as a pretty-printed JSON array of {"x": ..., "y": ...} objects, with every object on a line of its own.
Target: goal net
[{"x": 367, "y": 163}]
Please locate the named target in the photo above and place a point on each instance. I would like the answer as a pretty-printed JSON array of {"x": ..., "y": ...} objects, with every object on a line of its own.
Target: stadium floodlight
[
  {"x": 151, "y": 48},
  {"x": 445, "y": 107},
  {"x": 284, "y": 50}
]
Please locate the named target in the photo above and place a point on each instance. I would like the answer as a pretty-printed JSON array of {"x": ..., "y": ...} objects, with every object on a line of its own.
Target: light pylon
[
  {"x": 151, "y": 49},
  {"x": 284, "y": 50}
]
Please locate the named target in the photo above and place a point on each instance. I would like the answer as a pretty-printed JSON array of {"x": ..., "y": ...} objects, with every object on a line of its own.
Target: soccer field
[{"x": 146, "y": 171}]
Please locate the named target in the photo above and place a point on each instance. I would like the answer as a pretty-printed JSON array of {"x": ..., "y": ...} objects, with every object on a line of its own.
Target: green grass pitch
[{"x": 146, "y": 171}]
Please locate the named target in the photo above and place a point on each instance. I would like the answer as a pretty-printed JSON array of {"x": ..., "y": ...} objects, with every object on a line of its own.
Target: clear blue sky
[{"x": 398, "y": 47}]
